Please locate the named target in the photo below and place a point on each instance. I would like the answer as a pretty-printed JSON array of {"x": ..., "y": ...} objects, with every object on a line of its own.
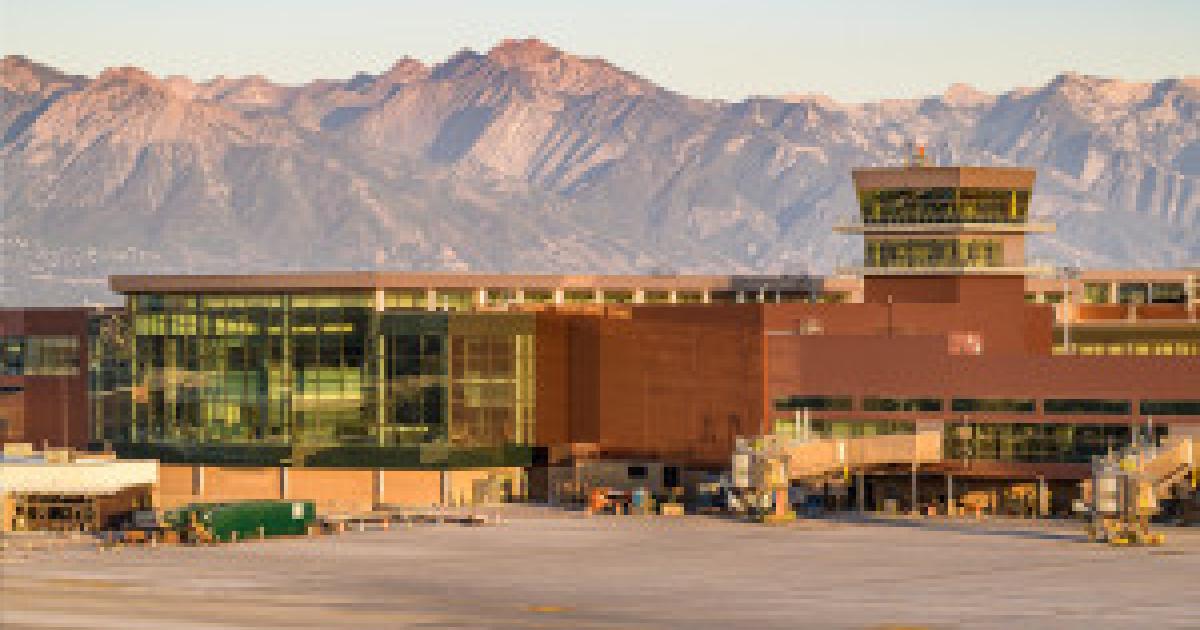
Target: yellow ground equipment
[{"x": 1128, "y": 485}]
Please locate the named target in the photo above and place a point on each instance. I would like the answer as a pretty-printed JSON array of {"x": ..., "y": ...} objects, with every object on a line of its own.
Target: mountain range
[{"x": 529, "y": 159}]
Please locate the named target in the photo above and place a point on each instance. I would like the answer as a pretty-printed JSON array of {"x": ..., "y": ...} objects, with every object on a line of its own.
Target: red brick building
[
  {"x": 1027, "y": 371},
  {"x": 946, "y": 337},
  {"x": 44, "y": 376}
]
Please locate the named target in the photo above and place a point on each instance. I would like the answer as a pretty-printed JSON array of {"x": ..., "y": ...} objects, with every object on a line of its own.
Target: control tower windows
[
  {"x": 944, "y": 205},
  {"x": 934, "y": 253}
]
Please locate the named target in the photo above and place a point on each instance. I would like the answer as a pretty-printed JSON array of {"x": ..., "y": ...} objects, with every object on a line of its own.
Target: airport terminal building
[{"x": 1028, "y": 371}]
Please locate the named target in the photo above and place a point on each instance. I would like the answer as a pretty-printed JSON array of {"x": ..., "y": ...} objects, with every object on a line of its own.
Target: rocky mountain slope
[{"x": 527, "y": 158}]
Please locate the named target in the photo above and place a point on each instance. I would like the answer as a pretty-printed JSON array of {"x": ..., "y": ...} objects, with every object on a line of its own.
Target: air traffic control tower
[{"x": 930, "y": 231}]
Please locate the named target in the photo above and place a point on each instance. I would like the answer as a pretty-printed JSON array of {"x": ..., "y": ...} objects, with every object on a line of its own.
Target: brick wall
[{"x": 332, "y": 489}]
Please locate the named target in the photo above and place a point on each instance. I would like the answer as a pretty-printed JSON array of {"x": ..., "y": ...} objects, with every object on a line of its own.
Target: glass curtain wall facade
[
  {"x": 325, "y": 380},
  {"x": 109, "y": 378},
  {"x": 1015, "y": 441},
  {"x": 944, "y": 205},
  {"x": 934, "y": 253},
  {"x": 1033, "y": 442},
  {"x": 836, "y": 429},
  {"x": 1010, "y": 442}
]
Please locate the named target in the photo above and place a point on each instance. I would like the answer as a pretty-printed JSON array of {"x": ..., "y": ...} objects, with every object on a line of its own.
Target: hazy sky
[{"x": 852, "y": 50}]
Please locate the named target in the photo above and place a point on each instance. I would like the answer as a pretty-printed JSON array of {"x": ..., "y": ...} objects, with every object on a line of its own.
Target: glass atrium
[{"x": 323, "y": 379}]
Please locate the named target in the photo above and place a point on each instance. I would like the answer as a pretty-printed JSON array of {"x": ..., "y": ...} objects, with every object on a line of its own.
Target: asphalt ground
[{"x": 548, "y": 569}]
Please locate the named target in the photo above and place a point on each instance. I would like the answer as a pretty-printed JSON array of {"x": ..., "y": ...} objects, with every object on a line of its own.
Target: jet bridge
[
  {"x": 1127, "y": 487},
  {"x": 766, "y": 466}
]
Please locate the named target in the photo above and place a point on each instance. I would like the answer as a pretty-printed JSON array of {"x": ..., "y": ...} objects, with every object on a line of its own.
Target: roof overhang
[
  {"x": 949, "y": 271},
  {"x": 875, "y": 178},
  {"x": 944, "y": 228}
]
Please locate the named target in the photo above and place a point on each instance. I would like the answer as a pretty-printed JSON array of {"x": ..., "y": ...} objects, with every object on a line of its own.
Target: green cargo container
[{"x": 223, "y": 520}]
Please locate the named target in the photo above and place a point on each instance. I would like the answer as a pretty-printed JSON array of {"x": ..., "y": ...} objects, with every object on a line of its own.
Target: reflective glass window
[
  {"x": 539, "y": 296},
  {"x": 1168, "y": 293},
  {"x": 1097, "y": 293},
  {"x": 39, "y": 355},
  {"x": 579, "y": 296},
  {"x": 994, "y": 405},
  {"x": 1086, "y": 406},
  {"x": 944, "y": 205},
  {"x": 933, "y": 253},
  {"x": 1170, "y": 407},
  {"x": 1133, "y": 293},
  {"x": 901, "y": 404},
  {"x": 405, "y": 298},
  {"x": 825, "y": 403},
  {"x": 616, "y": 296}
]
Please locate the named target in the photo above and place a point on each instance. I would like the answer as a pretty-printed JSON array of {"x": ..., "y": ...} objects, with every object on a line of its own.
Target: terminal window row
[
  {"x": 416, "y": 298},
  {"x": 1029, "y": 442},
  {"x": 1131, "y": 348},
  {"x": 1120, "y": 293},
  {"x": 466, "y": 299},
  {"x": 1017, "y": 442},
  {"x": 39, "y": 355}
]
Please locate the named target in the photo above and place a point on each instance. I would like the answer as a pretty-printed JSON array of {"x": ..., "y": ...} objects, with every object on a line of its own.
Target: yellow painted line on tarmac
[{"x": 549, "y": 609}]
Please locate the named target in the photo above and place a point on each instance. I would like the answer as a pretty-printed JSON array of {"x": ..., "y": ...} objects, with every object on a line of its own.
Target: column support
[
  {"x": 198, "y": 480},
  {"x": 1042, "y": 501},
  {"x": 949, "y": 493},
  {"x": 862, "y": 492},
  {"x": 916, "y": 509},
  {"x": 379, "y": 489}
]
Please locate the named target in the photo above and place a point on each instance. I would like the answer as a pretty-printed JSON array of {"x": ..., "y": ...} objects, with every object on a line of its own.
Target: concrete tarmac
[{"x": 547, "y": 569}]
